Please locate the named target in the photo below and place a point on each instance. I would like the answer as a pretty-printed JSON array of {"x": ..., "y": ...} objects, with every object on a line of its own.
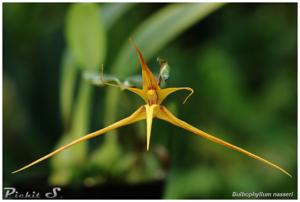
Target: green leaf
[
  {"x": 111, "y": 12},
  {"x": 67, "y": 86},
  {"x": 86, "y": 41},
  {"x": 158, "y": 30},
  {"x": 85, "y": 35}
]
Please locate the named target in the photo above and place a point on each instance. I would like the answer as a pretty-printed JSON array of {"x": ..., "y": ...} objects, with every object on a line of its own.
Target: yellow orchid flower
[{"x": 153, "y": 95}]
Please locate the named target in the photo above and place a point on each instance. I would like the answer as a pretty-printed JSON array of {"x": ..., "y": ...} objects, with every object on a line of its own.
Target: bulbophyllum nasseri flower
[{"x": 154, "y": 95}]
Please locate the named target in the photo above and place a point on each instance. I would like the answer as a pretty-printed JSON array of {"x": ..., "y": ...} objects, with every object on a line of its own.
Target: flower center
[{"x": 152, "y": 97}]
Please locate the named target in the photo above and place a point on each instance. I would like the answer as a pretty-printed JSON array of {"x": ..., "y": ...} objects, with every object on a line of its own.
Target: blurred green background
[{"x": 241, "y": 60}]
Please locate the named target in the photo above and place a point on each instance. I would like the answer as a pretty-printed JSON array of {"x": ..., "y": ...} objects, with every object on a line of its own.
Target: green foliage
[
  {"x": 111, "y": 12},
  {"x": 158, "y": 30},
  {"x": 197, "y": 181},
  {"x": 68, "y": 78},
  {"x": 241, "y": 63},
  {"x": 86, "y": 42},
  {"x": 85, "y": 35}
]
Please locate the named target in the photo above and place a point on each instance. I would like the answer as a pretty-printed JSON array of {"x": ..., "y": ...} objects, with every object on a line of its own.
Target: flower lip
[{"x": 152, "y": 97}]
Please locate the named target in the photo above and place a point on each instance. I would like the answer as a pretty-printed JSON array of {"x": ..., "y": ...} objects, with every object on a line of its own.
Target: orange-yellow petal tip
[{"x": 149, "y": 82}]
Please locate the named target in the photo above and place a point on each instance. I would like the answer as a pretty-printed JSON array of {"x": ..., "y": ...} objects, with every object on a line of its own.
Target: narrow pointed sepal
[
  {"x": 149, "y": 81},
  {"x": 165, "y": 115},
  {"x": 150, "y": 109},
  {"x": 136, "y": 116},
  {"x": 139, "y": 92}
]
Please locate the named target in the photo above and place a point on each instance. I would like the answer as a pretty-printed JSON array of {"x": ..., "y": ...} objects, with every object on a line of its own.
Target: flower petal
[
  {"x": 136, "y": 116},
  {"x": 165, "y": 92},
  {"x": 149, "y": 117},
  {"x": 149, "y": 81},
  {"x": 139, "y": 92},
  {"x": 165, "y": 115}
]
